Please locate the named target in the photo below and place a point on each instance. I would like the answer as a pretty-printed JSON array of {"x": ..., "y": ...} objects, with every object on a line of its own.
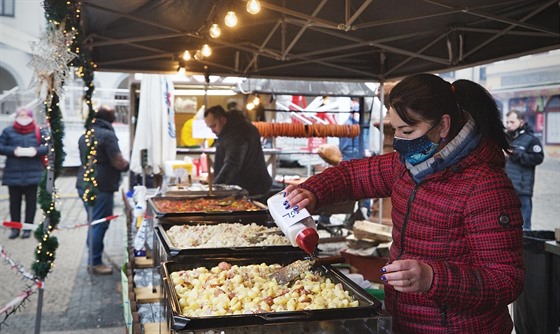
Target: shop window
[
  {"x": 482, "y": 73},
  {"x": 532, "y": 108},
  {"x": 552, "y": 112},
  {"x": 7, "y": 7}
]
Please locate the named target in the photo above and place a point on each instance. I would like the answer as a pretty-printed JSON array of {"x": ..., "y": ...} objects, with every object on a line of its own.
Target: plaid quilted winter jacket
[{"x": 464, "y": 221}]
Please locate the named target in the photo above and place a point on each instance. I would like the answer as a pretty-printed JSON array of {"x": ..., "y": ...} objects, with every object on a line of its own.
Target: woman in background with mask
[
  {"x": 456, "y": 258},
  {"x": 23, "y": 147}
]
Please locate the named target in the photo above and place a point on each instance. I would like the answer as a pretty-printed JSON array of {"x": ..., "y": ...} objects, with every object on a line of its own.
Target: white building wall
[
  {"x": 530, "y": 71},
  {"x": 29, "y": 17},
  {"x": 16, "y": 34},
  {"x": 15, "y": 62}
]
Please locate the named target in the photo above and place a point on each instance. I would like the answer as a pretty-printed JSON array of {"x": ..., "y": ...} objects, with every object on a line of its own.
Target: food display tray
[
  {"x": 172, "y": 251},
  {"x": 243, "y": 217},
  {"x": 368, "y": 307},
  {"x": 200, "y": 190},
  {"x": 262, "y": 210}
]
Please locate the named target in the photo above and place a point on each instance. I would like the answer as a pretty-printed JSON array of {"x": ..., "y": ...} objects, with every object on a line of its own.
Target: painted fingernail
[
  {"x": 383, "y": 270},
  {"x": 383, "y": 278},
  {"x": 283, "y": 194},
  {"x": 296, "y": 207}
]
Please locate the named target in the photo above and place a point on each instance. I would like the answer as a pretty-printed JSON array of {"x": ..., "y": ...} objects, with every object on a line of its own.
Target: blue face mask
[{"x": 416, "y": 150}]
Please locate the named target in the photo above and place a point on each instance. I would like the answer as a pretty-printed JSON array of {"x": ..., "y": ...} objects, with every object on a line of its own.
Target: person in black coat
[
  {"x": 109, "y": 165},
  {"x": 527, "y": 152},
  {"x": 23, "y": 145},
  {"x": 239, "y": 156}
]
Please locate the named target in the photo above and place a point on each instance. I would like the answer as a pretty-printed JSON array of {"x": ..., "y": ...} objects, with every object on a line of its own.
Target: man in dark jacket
[
  {"x": 239, "y": 156},
  {"x": 520, "y": 167},
  {"x": 110, "y": 163}
]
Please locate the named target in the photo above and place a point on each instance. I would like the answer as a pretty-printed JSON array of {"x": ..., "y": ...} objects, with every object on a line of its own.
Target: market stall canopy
[{"x": 350, "y": 40}]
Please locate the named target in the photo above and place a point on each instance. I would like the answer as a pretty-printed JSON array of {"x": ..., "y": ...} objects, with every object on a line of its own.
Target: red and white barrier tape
[{"x": 26, "y": 226}]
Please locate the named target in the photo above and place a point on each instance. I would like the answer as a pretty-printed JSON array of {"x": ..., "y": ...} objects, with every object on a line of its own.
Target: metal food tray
[
  {"x": 196, "y": 215},
  {"x": 243, "y": 217},
  {"x": 173, "y": 251},
  {"x": 368, "y": 306},
  {"x": 202, "y": 190}
]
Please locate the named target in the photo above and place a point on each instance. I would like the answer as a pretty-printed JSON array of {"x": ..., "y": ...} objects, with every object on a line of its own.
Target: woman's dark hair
[
  {"x": 427, "y": 97},
  {"x": 105, "y": 113}
]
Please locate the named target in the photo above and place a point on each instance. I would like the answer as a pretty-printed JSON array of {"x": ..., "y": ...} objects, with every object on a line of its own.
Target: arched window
[{"x": 7, "y": 82}]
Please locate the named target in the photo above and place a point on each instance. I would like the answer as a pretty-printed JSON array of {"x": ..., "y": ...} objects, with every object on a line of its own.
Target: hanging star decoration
[{"x": 50, "y": 58}]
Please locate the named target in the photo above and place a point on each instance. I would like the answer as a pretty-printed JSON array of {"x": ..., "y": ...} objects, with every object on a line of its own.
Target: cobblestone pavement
[{"x": 75, "y": 302}]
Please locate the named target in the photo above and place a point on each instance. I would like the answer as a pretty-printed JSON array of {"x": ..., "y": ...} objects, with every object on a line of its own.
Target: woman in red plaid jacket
[{"x": 456, "y": 258}]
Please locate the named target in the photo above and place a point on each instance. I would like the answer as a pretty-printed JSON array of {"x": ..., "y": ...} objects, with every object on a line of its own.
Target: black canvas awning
[{"x": 362, "y": 40}]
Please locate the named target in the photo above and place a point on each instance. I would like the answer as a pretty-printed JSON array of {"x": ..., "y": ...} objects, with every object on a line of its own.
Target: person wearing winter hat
[{"x": 24, "y": 168}]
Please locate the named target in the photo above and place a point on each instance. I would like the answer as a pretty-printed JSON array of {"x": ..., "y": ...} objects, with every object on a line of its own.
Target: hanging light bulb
[
  {"x": 198, "y": 55},
  {"x": 231, "y": 19},
  {"x": 206, "y": 50},
  {"x": 256, "y": 100},
  {"x": 215, "y": 30},
  {"x": 250, "y": 106},
  {"x": 187, "y": 55},
  {"x": 253, "y": 6}
]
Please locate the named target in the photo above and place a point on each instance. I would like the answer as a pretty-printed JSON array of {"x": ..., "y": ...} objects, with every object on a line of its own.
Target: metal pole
[
  {"x": 49, "y": 186},
  {"x": 90, "y": 239},
  {"x": 39, "y": 311},
  {"x": 381, "y": 129},
  {"x": 361, "y": 123}
]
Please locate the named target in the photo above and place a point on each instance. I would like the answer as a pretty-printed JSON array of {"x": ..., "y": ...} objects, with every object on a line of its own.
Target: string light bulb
[
  {"x": 231, "y": 19},
  {"x": 206, "y": 50},
  {"x": 187, "y": 55},
  {"x": 215, "y": 30},
  {"x": 253, "y": 7}
]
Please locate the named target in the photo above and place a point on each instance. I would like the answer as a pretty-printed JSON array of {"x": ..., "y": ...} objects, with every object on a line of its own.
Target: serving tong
[{"x": 293, "y": 270}]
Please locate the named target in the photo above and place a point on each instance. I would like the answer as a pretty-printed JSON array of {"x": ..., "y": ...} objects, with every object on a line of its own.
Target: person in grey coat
[
  {"x": 23, "y": 145},
  {"x": 527, "y": 153}
]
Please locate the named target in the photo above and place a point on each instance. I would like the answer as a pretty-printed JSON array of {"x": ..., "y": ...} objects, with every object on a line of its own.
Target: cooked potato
[{"x": 248, "y": 289}]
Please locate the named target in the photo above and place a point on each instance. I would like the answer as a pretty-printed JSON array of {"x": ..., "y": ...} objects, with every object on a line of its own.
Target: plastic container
[
  {"x": 203, "y": 163},
  {"x": 189, "y": 165},
  {"x": 297, "y": 225},
  {"x": 536, "y": 310},
  {"x": 178, "y": 170}
]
